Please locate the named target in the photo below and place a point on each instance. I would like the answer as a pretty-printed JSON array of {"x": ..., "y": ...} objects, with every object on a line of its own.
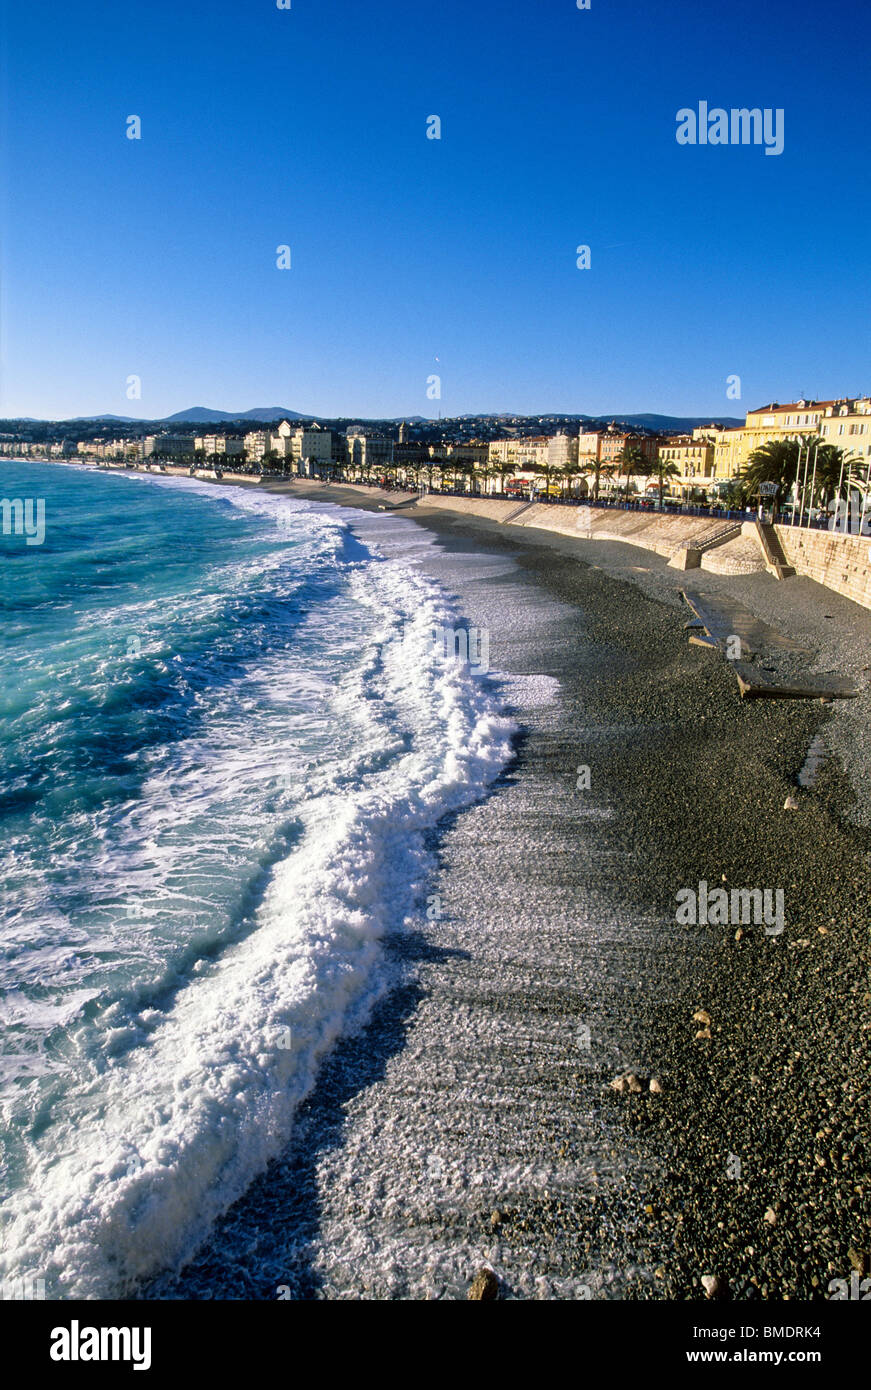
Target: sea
[{"x": 230, "y": 728}]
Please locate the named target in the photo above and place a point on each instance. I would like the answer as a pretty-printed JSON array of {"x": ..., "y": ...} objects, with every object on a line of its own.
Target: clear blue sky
[{"x": 410, "y": 256}]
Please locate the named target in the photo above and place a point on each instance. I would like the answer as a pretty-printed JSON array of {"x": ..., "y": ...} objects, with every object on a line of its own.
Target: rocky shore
[{"x": 487, "y": 1132}]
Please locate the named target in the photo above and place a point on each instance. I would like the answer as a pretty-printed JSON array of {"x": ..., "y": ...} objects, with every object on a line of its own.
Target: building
[
  {"x": 257, "y": 444},
  {"x": 367, "y": 450},
  {"x": 769, "y": 424},
  {"x": 694, "y": 460},
  {"x": 173, "y": 445},
  {"x": 562, "y": 452},
  {"x": 589, "y": 449},
  {"x": 523, "y": 455},
  {"x": 478, "y": 455},
  {"x": 311, "y": 444},
  {"x": 613, "y": 441},
  {"x": 847, "y": 425},
  {"x": 281, "y": 441},
  {"x": 219, "y": 444},
  {"x": 729, "y": 453}
]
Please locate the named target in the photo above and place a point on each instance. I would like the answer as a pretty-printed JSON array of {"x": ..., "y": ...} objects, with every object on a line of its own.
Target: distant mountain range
[
  {"x": 680, "y": 424},
  {"x": 202, "y": 415},
  {"x": 197, "y": 415}
]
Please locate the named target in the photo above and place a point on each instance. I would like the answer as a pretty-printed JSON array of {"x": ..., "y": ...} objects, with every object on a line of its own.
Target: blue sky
[{"x": 412, "y": 257}]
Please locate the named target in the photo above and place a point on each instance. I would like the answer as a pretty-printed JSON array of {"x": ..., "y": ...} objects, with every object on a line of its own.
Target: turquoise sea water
[{"x": 226, "y": 729}]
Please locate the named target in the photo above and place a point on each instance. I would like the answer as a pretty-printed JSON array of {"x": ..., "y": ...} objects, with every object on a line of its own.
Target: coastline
[{"x": 645, "y": 1197}]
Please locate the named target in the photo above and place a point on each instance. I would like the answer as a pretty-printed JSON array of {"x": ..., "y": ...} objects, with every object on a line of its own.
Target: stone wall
[{"x": 842, "y": 563}]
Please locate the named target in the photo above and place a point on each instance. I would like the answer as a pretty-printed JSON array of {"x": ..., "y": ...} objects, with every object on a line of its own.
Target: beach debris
[
  {"x": 628, "y": 1081},
  {"x": 755, "y": 684},
  {"x": 655, "y": 1086},
  {"x": 791, "y": 803},
  {"x": 703, "y": 1035},
  {"x": 725, "y": 619},
  {"x": 739, "y": 935},
  {"x": 496, "y": 1219},
  {"x": 770, "y": 1216},
  {"x": 702, "y": 1016},
  {"x": 485, "y": 1286},
  {"x": 714, "y": 1286}
]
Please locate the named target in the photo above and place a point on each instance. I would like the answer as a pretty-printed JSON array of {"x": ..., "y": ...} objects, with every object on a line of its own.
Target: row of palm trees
[
  {"x": 823, "y": 473},
  {"x": 631, "y": 461},
  {"x": 777, "y": 461}
]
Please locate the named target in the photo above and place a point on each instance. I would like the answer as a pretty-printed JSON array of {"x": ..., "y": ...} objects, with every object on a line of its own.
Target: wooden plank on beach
[
  {"x": 701, "y": 639},
  {"x": 723, "y": 618},
  {"x": 758, "y": 684}
]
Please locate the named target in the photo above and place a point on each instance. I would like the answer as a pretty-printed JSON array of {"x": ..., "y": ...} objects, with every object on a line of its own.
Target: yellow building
[
  {"x": 694, "y": 460},
  {"x": 521, "y": 454},
  {"x": 768, "y": 424},
  {"x": 847, "y": 425},
  {"x": 728, "y": 453}
]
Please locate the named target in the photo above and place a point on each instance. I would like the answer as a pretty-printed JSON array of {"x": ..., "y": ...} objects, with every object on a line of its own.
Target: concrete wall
[
  {"x": 664, "y": 533},
  {"x": 492, "y": 508},
  {"x": 842, "y": 563}
]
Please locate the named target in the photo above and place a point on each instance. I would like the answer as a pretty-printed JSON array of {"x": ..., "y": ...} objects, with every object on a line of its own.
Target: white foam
[{"x": 172, "y": 1129}]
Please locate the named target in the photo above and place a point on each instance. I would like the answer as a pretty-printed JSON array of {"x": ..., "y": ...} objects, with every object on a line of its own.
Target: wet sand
[{"x": 474, "y": 1121}]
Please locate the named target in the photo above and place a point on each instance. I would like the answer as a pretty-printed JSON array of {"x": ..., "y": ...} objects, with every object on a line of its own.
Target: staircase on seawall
[{"x": 775, "y": 559}]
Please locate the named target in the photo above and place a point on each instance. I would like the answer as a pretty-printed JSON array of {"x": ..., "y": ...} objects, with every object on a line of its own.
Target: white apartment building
[
  {"x": 312, "y": 442},
  {"x": 257, "y": 444},
  {"x": 218, "y": 444},
  {"x": 562, "y": 451}
]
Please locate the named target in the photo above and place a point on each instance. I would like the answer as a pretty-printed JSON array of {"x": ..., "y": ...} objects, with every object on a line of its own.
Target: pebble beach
[{"x": 571, "y": 1090}]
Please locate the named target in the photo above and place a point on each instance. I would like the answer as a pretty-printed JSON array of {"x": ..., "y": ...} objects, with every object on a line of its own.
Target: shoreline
[
  {"x": 749, "y": 1165},
  {"x": 467, "y": 1124}
]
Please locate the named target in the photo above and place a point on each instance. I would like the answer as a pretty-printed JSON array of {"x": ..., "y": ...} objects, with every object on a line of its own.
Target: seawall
[{"x": 841, "y": 563}]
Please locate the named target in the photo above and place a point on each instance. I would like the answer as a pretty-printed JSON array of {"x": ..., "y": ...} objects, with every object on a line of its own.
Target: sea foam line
[{"x": 178, "y": 1129}]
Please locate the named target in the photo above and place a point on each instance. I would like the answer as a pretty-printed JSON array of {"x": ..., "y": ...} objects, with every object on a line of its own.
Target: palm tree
[
  {"x": 567, "y": 473},
  {"x": 598, "y": 470},
  {"x": 663, "y": 468},
  {"x": 631, "y": 458},
  {"x": 773, "y": 462},
  {"x": 605, "y": 468},
  {"x": 833, "y": 473},
  {"x": 503, "y": 471},
  {"x": 547, "y": 468},
  {"x": 734, "y": 496}
]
